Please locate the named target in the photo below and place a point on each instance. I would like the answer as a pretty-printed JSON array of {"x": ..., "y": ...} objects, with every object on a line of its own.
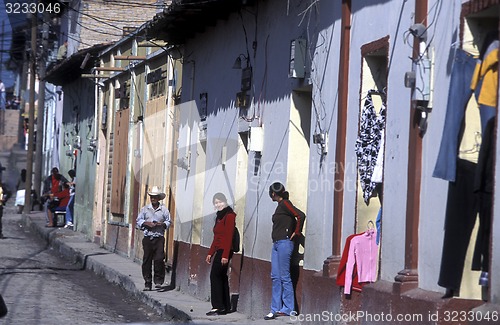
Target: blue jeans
[
  {"x": 47, "y": 219},
  {"x": 458, "y": 97},
  {"x": 283, "y": 299},
  {"x": 3, "y": 101},
  {"x": 69, "y": 209}
]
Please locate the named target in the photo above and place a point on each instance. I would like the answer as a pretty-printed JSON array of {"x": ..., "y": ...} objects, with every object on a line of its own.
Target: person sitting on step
[{"x": 63, "y": 198}]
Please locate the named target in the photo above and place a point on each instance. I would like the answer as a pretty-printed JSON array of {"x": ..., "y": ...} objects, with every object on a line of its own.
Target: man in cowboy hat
[{"x": 153, "y": 219}]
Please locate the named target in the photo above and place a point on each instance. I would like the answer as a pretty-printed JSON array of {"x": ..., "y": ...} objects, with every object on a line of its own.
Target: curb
[{"x": 74, "y": 247}]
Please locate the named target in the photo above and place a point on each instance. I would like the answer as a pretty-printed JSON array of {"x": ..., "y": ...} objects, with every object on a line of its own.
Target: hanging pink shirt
[{"x": 364, "y": 253}]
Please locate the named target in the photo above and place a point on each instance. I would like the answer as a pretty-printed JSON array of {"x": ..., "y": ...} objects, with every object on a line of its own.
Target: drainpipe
[
  {"x": 96, "y": 106},
  {"x": 408, "y": 278},
  {"x": 331, "y": 264}
]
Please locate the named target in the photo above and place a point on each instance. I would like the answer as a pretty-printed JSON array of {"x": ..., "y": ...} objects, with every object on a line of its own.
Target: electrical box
[
  {"x": 297, "y": 58},
  {"x": 423, "y": 79},
  {"x": 246, "y": 79},
  {"x": 242, "y": 100},
  {"x": 256, "y": 142}
]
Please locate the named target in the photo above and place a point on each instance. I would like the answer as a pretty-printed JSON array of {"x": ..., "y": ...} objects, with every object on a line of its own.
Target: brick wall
[
  {"x": 9, "y": 127},
  {"x": 104, "y": 20}
]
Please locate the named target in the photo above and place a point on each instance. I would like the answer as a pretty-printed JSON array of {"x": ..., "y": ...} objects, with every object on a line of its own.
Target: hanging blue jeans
[
  {"x": 378, "y": 222},
  {"x": 283, "y": 299},
  {"x": 458, "y": 97}
]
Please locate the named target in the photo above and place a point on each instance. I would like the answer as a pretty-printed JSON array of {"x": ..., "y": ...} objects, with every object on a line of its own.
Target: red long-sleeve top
[
  {"x": 356, "y": 286},
  {"x": 63, "y": 197},
  {"x": 223, "y": 232}
]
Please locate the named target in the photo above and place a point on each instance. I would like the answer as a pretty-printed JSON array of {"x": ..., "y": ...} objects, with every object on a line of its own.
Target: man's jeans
[
  {"x": 458, "y": 97},
  {"x": 283, "y": 299},
  {"x": 3, "y": 101},
  {"x": 69, "y": 209}
]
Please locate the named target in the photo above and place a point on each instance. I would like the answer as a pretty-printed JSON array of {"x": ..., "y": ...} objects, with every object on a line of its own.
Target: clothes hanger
[{"x": 382, "y": 93}]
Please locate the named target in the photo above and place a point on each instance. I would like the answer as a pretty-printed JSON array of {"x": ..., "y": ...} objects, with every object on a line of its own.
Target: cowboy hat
[{"x": 155, "y": 191}]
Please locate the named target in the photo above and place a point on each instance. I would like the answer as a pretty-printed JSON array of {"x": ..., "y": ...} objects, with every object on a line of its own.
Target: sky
[{"x": 6, "y": 76}]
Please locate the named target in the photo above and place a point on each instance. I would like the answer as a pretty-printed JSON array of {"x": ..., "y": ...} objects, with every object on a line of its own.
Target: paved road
[{"x": 40, "y": 287}]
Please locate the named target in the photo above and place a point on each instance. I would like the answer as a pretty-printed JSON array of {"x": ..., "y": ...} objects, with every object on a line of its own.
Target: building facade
[{"x": 227, "y": 96}]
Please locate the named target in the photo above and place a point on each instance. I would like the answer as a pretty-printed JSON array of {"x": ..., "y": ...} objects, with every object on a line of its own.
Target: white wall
[
  {"x": 271, "y": 90},
  {"x": 213, "y": 53},
  {"x": 434, "y": 191},
  {"x": 366, "y": 29}
]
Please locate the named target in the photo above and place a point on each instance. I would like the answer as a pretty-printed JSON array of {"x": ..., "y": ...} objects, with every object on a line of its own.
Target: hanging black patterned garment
[{"x": 368, "y": 144}]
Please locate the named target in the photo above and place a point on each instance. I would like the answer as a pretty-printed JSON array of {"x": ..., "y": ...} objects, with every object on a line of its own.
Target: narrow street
[{"x": 40, "y": 287}]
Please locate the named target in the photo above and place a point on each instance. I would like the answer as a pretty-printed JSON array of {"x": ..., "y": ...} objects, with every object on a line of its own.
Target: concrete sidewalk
[{"x": 170, "y": 302}]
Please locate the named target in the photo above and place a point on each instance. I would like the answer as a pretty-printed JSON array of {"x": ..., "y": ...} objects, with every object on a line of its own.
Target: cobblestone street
[{"x": 40, "y": 287}]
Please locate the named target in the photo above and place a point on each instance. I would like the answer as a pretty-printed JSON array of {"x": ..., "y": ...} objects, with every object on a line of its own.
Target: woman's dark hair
[
  {"x": 23, "y": 175},
  {"x": 219, "y": 196},
  {"x": 278, "y": 189},
  {"x": 72, "y": 173}
]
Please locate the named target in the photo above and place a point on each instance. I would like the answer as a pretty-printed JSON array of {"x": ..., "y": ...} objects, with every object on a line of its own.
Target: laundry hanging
[
  {"x": 368, "y": 143},
  {"x": 356, "y": 286},
  {"x": 363, "y": 252}
]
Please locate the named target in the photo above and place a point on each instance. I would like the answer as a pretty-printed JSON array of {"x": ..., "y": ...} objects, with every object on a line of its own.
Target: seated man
[
  {"x": 63, "y": 198},
  {"x": 52, "y": 184}
]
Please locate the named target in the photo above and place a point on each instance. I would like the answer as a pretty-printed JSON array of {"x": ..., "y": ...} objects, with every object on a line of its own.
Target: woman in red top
[{"x": 221, "y": 247}]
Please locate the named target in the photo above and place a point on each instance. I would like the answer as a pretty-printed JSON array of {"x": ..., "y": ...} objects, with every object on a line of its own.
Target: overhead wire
[
  {"x": 104, "y": 20},
  {"x": 317, "y": 103}
]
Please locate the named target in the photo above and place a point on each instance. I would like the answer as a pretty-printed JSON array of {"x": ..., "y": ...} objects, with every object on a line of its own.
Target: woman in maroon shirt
[
  {"x": 287, "y": 225},
  {"x": 221, "y": 247}
]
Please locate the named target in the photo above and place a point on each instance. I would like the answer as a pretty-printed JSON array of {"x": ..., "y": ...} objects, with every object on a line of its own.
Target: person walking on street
[
  {"x": 3, "y": 100},
  {"x": 220, "y": 254},
  {"x": 154, "y": 219},
  {"x": 62, "y": 52},
  {"x": 2, "y": 202},
  {"x": 287, "y": 224},
  {"x": 21, "y": 191}
]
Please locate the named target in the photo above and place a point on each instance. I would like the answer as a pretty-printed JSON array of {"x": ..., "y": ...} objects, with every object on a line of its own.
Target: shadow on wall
[{"x": 297, "y": 256}]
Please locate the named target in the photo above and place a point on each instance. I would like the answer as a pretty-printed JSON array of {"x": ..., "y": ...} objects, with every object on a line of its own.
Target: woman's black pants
[{"x": 219, "y": 283}]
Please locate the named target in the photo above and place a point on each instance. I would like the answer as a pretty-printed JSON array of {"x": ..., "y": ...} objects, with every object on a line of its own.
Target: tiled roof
[
  {"x": 70, "y": 68},
  {"x": 183, "y": 19}
]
